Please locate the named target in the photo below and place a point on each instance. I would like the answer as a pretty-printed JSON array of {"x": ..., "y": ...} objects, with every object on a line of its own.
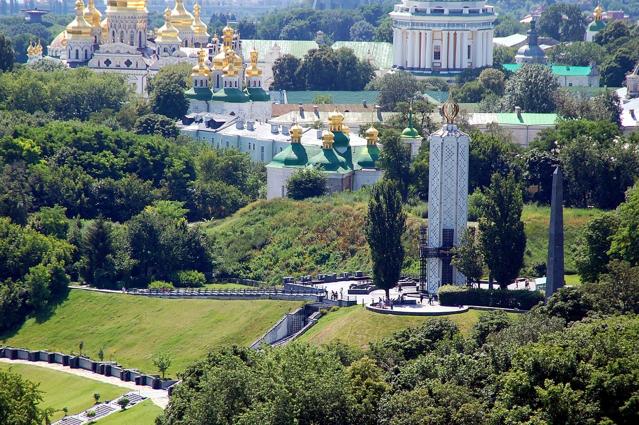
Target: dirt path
[{"x": 158, "y": 397}]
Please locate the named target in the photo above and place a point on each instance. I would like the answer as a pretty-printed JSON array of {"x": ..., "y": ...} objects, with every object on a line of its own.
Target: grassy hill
[
  {"x": 61, "y": 389},
  {"x": 133, "y": 330},
  {"x": 357, "y": 326},
  {"x": 142, "y": 414},
  {"x": 271, "y": 239}
]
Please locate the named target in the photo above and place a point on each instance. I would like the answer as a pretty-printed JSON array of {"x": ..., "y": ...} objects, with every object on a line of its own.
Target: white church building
[{"x": 442, "y": 37}]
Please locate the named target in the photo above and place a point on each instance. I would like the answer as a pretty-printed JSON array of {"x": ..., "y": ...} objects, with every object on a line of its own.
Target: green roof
[
  {"x": 295, "y": 155},
  {"x": 559, "y": 70},
  {"x": 200, "y": 93},
  {"x": 230, "y": 95},
  {"x": 329, "y": 160},
  {"x": 597, "y": 26},
  {"x": 380, "y": 52},
  {"x": 526, "y": 119},
  {"x": 410, "y": 133},
  {"x": 366, "y": 156},
  {"x": 337, "y": 97},
  {"x": 257, "y": 94}
]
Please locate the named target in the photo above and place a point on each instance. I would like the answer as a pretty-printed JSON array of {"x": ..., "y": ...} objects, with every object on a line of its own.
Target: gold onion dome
[
  {"x": 219, "y": 61},
  {"x": 136, "y": 4},
  {"x": 598, "y": 13},
  {"x": 372, "y": 135},
  {"x": 199, "y": 27},
  {"x": 253, "y": 70},
  {"x": 230, "y": 70},
  {"x": 92, "y": 14},
  {"x": 167, "y": 33},
  {"x": 296, "y": 133},
  {"x": 228, "y": 32},
  {"x": 201, "y": 69},
  {"x": 180, "y": 17},
  {"x": 79, "y": 28},
  {"x": 335, "y": 120},
  {"x": 328, "y": 138}
]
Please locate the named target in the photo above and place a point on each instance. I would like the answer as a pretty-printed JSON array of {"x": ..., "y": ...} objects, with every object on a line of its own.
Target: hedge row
[{"x": 459, "y": 295}]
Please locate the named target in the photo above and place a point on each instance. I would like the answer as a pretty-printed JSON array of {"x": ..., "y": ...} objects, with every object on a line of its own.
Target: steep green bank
[{"x": 271, "y": 239}]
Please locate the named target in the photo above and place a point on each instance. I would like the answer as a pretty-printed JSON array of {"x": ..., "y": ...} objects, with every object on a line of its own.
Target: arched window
[
  {"x": 121, "y": 36},
  {"x": 131, "y": 39},
  {"x": 113, "y": 36},
  {"x": 77, "y": 54},
  {"x": 86, "y": 54},
  {"x": 139, "y": 38},
  {"x": 186, "y": 43}
]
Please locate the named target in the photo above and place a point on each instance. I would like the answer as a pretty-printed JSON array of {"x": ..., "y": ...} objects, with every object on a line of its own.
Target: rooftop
[{"x": 560, "y": 70}]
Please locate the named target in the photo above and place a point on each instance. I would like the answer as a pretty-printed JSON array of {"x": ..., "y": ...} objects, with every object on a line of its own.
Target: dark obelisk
[{"x": 555, "y": 275}]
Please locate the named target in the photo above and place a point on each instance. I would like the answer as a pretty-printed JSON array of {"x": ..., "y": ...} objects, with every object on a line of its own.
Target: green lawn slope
[
  {"x": 61, "y": 389},
  {"x": 358, "y": 327},
  {"x": 133, "y": 330},
  {"x": 142, "y": 414},
  {"x": 271, "y": 239}
]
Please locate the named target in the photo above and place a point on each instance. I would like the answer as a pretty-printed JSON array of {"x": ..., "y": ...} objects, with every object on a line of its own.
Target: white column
[
  {"x": 480, "y": 49},
  {"x": 404, "y": 48},
  {"x": 443, "y": 53},
  {"x": 460, "y": 52},
  {"x": 451, "y": 49},
  {"x": 486, "y": 48},
  {"x": 397, "y": 47},
  {"x": 423, "y": 50},
  {"x": 415, "y": 49},
  {"x": 464, "y": 49},
  {"x": 491, "y": 48},
  {"x": 409, "y": 50},
  {"x": 429, "y": 49}
]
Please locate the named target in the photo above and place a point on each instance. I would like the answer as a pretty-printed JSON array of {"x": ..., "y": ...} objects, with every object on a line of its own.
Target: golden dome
[
  {"x": 253, "y": 70},
  {"x": 199, "y": 27},
  {"x": 180, "y": 17},
  {"x": 79, "y": 28},
  {"x": 328, "y": 138},
  {"x": 30, "y": 48},
  {"x": 598, "y": 13},
  {"x": 167, "y": 33},
  {"x": 201, "y": 69},
  {"x": 136, "y": 4},
  {"x": 230, "y": 70},
  {"x": 296, "y": 133},
  {"x": 228, "y": 31},
  {"x": 219, "y": 61},
  {"x": 92, "y": 14},
  {"x": 372, "y": 135},
  {"x": 335, "y": 120},
  {"x": 346, "y": 130}
]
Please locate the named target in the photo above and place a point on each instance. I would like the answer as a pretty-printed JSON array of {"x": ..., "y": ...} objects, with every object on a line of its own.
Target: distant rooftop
[
  {"x": 560, "y": 70},
  {"x": 337, "y": 97}
]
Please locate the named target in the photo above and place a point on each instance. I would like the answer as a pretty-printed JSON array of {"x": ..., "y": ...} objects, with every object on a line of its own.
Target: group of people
[{"x": 335, "y": 295}]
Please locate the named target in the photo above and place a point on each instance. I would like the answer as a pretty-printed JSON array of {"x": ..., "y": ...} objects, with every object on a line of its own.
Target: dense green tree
[
  {"x": 489, "y": 323},
  {"x": 214, "y": 199},
  {"x": 306, "y": 183},
  {"x": 603, "y": 107},
  {"x": 284, "y": 73},
  {"x": 507, "y": 25},
  {"x": 503, "y": 55},
  {"x": 471, "y": 92},
  {"x": 396, "y": 163},
  {"x": 51, "y": 221},
  {"x": 538, "y": 166},
  {"x": 488, "y": 154},
  {"x": 395, "y": 87},
  {"x": 532, "y": 88},
  {"x": 156, "y": 124},
  {"x": 319, "y": 69},
  {"x": 384, "y": 30},
  {"x": 99, "y": 268},
  {"x": 16, "y": 200},
  {"x": 468, "y": 257},
  {"x": 166, "y": 91},
  {"x": 362, "y": 31},
  {"x": 563, "y": 22},
  {"x": 579, "y": 53},
  {"x": 615, "y": 67},
  {"x": 625, "y": 240},
  {"x": 36, "y": 282},
  {"x": 7, "y": 55},
  {"x": 493, "y": 80},
  {"x": 616, "y": 30},
  {"x": 19, "y": 400},
  {"x": 501, "y": 230},
  {"x": 353, "y": 74},
  {"x": 385, "y": 225}
]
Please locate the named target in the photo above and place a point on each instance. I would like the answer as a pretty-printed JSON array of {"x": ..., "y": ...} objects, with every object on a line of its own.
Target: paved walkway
[
  {"x": 419, "y": 309},
  {"x": 159, "y": 397}
]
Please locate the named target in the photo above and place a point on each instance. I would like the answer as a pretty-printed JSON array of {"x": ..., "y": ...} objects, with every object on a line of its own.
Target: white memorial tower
[{"x": 447, "y": 199}]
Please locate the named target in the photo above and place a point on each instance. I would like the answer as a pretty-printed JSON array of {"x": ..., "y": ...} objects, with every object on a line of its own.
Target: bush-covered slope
[{"x": 271, "y": 239}]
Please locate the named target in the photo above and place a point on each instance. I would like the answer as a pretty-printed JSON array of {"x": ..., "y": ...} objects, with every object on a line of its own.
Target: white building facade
[
  {"x": 442, "y": 36},
  {"x": 447, "y": 200}
]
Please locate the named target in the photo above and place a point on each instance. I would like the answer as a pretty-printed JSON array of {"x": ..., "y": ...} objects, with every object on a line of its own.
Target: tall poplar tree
[
  {"x": 501, "y": 230},
  {"x": 385, "y": 225}
]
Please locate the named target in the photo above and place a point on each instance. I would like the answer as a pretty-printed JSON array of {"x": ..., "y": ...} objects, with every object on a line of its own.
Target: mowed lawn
[
  {"x": 61, "y": 389},
  {"x": 141, "y": 414},
  {"x": 132, "y": 330},
  {"x": 358, "y": 327}
]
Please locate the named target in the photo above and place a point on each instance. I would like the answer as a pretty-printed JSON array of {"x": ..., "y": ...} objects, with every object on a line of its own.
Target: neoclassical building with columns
[{"x": 442, "y": 37}]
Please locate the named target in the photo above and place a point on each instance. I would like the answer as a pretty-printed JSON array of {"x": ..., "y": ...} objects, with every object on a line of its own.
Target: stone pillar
[
  {"x": 429, "y": 50},
  {"x": 491, "y": 48},
  {"x": 397, "y": 47},
  {"x": 480, "y": 49},
  {"x": 451, "y": 50},
  {"x": 411, "y": 49},
  {"x": 416, "y": 49},
  {"x": 464, "y": 49},
  {"x": 444, "y": 50},
  {"x": 423, "y": 50},
  {"x": 404, "y": 48},
  {"x": 486, "y": 48},
  {"x": 460, "y": 49},
  {"x": 555, "y": 275}
]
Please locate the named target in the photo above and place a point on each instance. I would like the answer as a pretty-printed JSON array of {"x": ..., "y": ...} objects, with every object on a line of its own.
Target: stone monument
[
  {"x": 447, "y": 199},
  {"x": 555, "y": 275}
]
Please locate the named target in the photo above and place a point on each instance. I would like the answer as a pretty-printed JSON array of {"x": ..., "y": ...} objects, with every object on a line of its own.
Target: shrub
[
  {"x": 91, "y": 413},
  {"x": 161, "y": 285},
  {"x": 521, "y": 299},
  {"x": 188, "y": 279}
]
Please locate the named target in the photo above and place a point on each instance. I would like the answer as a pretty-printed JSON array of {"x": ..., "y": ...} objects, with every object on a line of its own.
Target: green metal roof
[
  {"x": 199, "y": 93},
  {"x": 328, "y": 160},
  {"x": 559, "y": 70},
  {"x": 380, "y": 53},
  {"x": 258, "y": 94},
  {"x": 597, "y": 26},
  {"x": 337, "y": 97},
  {"x": 230, "y": 95},
  {"x": 295, "y": 155},
  {"x": 366, "y": 156},
  {"x": 526, "y": 119}
]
